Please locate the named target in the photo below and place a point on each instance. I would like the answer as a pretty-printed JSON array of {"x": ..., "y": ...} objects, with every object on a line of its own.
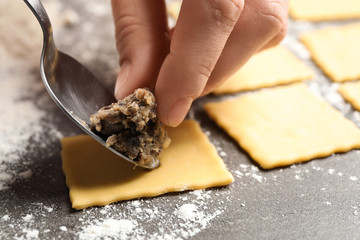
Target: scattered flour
[
  {"x": 109, "y": 228},
  {"x": 250, "y": 171},
  {"x": 353, "y": 178},
  {"x": 207, "y": 133},
  {"x": 22, "y": 126},
  {"x": 201, "y": 195},
  {"x": 244, "y": 166},
  {"x": 28, "y": 217},
  {"x": 48, "y": 209},
  {"x": 32, "y": 234},
  {"x": 222, "y": 154},
  {"x": 186, "y": 220},
  {"x": 188, "y": 211},
  {"x": 257, "y": 177},
  {"x": 238, "y": 174},
  {"x": 316, "y": 168},
  {"x": 63, "y": 228},
  {"x": 135, "y": 203}
]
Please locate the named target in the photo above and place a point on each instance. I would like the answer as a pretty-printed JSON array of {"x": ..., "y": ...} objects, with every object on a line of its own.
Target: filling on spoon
[{"x": 132, "y": 128}]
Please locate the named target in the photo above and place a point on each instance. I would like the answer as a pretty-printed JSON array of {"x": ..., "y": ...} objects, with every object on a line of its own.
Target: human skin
[{"x": 211, "y": 40}]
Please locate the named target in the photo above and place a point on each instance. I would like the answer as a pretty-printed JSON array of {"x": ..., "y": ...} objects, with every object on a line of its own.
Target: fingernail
[
  {"x": 120, "y": 89},
  {"x": 178, "y": 111}
]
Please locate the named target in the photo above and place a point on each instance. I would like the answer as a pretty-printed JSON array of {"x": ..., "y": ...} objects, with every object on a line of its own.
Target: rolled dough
[
  {"x": 174, "y": 9},
  {"x": 336, "y": 50},
  {"x": 96, "y": 176},
  {"x": 271, "y": 67},
  {"x": 321, "y": 10},
  {"x": 285, "y": 125},
  {"x": 351, "y": 92}
]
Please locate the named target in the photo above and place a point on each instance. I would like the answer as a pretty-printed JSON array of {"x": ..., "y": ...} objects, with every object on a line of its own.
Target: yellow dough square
[
  {"x": 285, "y": 125},
  {"x": 336, "y": 50},
  {"x": 322, "y": 10},
  {"x": 271, "y": 67},
  {"x": 351, "y": 92},
  {"x": 174, "y": 9},
  {"x": 96, "y": 176}
]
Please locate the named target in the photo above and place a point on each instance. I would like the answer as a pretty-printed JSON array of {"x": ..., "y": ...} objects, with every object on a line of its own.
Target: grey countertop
[{"x": 318, "y": 199}]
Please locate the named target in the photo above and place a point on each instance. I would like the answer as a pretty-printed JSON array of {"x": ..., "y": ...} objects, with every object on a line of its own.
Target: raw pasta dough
[
  {"x": 174, "y": 9},
  {"x": 285, "y": 125},
  {"x": 351, "y": 92},
  {"x": 96, "y": 176},
  {"x": 271, "y": 67},
  {"x": 336, "y": 50},
  {"x": 320, "y": 10}
]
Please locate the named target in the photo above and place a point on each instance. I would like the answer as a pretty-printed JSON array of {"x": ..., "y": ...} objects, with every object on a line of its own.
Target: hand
[{"x": 211, "y": 40}]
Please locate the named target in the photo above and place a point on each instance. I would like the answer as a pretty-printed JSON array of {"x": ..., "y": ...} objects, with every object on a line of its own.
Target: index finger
[{"x": 200, "y": 35}]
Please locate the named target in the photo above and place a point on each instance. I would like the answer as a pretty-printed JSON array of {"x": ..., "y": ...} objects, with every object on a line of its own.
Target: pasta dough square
[
  {"x": 321, "y": 10},
  {"x": 351, "y": 92},
  {"x": 96, "y": 176},
  {"x": 271, "y": 67},
  {"x": 285, "y": 125},
  {"x": 336, "y": 50},
  {"x": 174, "y": 9}
]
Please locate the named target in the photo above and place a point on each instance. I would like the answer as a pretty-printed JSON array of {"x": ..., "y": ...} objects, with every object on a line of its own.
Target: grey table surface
[{"x": 318, "y": 199}]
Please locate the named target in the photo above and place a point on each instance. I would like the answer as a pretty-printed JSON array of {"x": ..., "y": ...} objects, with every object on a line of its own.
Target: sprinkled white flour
[
  {"x": 48, "y": 209},
  {"x": 28, "y": 218},
  {"x": 186, "y": 220},
  {"x": 121, "y": 229},
  {"x": 22, "y": 127},
  {"x": 31, "y": 233},
  {"x": 187, "y": 211},
  {"x": 63, "y": 228},
  {"x": 297, "y": 177},
  {"x": 353, "y": 178}
]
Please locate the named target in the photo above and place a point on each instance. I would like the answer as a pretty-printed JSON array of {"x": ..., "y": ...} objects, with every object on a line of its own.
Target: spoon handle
[{"x": 40, "y": 13}]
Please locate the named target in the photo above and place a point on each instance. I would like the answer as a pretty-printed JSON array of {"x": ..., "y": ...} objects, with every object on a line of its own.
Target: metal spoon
[{"x": 73, "y": 88}]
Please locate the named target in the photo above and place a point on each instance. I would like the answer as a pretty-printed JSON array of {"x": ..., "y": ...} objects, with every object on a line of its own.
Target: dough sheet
[
  {"x": 174, "y": 9},
  {"x": 336, "y": 50},
  {"x": 96, "y": 176},
  {"x": 285, "y": 125},
  {"x": 351, "y": 92},
  {"x": 270, "y": 67},
  {"x": 323, "y": 10}
]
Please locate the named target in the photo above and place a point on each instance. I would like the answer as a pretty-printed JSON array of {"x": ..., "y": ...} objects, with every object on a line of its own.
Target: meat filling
[{"x": 132, "y": 128}]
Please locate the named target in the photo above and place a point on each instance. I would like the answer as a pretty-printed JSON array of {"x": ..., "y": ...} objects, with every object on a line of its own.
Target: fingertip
[{"x": 173, "y": 114}]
